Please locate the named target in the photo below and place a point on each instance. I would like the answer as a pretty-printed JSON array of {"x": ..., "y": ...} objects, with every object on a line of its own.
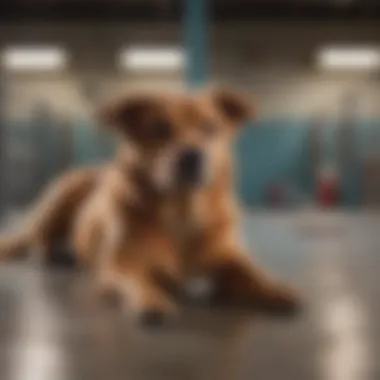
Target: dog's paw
[
  {"x": 281, "y": 299},
  {"x": 60, "y": 257},
  {"x": 155, "y": 318}
]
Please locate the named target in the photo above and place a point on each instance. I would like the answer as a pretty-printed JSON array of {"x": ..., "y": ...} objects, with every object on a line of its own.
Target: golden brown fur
[
  {"x": 50, "y": 220},
  {"x": 137, "y": 229}
]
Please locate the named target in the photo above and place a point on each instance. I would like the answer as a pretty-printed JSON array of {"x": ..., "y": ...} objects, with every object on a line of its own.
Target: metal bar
[
  {"x": 196, "y": 17},
  {"x": 2, "y": 146}
]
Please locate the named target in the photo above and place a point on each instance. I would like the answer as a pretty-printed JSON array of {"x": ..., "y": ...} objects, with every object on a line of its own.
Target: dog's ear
[
  {"x": 127, "y": 114},
  {"x": 234, "y": 106}
]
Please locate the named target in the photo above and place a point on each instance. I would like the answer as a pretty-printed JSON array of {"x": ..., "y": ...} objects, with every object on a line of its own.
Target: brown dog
[{"x": 163, "y": 211}]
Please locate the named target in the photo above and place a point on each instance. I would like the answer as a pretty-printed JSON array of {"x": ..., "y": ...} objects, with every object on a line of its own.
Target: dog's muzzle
[{"x": 190, "y": 167}]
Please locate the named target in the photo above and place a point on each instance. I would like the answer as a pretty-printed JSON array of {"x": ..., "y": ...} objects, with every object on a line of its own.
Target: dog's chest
[{"x": 183, "y": 220}]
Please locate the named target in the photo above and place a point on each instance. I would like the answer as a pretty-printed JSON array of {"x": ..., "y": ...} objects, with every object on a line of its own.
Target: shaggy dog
[{"x": 163, "y": 210}]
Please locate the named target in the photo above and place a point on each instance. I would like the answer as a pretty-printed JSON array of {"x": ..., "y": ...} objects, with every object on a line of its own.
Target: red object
[
  {"x": 327, "y": 191},
  {"x": 276, "y": 195}
]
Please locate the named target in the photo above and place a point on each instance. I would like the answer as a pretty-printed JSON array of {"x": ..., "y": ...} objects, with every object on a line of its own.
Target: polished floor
[{"x": 53, "y": 328}]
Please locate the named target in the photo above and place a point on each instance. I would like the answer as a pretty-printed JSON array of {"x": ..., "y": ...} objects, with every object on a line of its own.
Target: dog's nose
[{"x": 190, "y": 166}]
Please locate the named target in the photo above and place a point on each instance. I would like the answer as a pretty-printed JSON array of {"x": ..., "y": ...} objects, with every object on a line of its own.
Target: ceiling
[{"x": 145, "y": 10}]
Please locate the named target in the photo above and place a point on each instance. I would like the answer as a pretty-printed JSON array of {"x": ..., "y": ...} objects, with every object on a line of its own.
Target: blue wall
[
  {"x": 91, "y": 143},
  {"x": 278, "y": 151},
  {"x": 267, "y": 152}
]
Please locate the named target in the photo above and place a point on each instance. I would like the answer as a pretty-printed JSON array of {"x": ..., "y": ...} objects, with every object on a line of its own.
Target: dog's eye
[
  {"x": 162, "y": 130},
  {"x": 209, "y": 128}
]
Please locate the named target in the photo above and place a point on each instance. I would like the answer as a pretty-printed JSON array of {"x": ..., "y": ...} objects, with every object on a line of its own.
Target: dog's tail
[{"x": 51, "y": 213}]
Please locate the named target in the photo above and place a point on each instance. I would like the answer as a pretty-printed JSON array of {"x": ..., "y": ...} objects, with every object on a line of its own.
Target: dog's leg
[
  {"x": 239, "y": 280},
  {"x": 147, "y": 301},
  {"x": 137, "y": 289},
  {"x": 145, "y": 272},
  {"x": 51, "y": 216}
]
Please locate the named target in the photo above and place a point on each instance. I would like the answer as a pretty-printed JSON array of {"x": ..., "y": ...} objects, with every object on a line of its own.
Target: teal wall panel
[
  {"x": 91, "y": 144},
  {"x": 267, "y": 152},
  {"x": 270, "y": 152}
]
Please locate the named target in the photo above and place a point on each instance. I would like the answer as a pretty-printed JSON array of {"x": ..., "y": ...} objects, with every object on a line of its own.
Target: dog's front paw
[
  {"x": 280, "y": 298},
  {"x": 156, "y": 315},
  {"x": 154, "y": 318}
]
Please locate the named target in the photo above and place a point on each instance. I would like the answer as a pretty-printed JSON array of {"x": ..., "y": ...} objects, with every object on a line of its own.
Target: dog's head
[{"x": 180, "y": 141}]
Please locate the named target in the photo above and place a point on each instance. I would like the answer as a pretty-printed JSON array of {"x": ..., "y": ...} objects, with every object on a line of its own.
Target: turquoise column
[
  {"x": 196, "y": 18},
  {"x": 3, "y": 137}
]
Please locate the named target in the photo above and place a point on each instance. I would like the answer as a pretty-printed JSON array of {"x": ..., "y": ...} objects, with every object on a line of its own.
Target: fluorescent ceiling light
[
  {"x": 348, "y": 58},
  {"x": 33, "y": 58},
  {"x": 152, "y": 58}
]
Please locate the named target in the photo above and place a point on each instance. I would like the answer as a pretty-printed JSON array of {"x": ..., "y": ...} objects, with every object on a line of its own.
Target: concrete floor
[{"x": 52, "y": 328}]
